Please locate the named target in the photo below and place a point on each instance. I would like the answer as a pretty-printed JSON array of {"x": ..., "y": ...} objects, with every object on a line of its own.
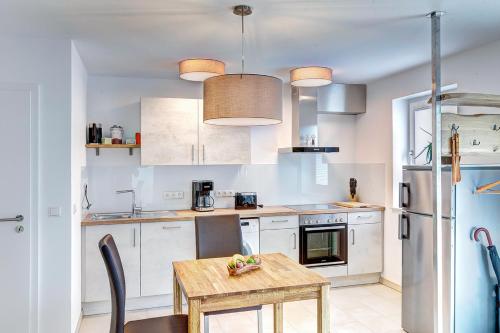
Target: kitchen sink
[{"x": 147, "y": 214}]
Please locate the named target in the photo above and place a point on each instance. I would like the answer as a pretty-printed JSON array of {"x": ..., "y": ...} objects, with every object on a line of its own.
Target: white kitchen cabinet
[
  {"x": 173, "y": 133},
  {"x": 364, "y": 248},
  {"x": 284, "y": 241},
  {"x": 127, "y": 239},
  {"x": 161, "y": 244},
  {"x": 223, "y": 144},
  {"x": 169, "y": 131}
]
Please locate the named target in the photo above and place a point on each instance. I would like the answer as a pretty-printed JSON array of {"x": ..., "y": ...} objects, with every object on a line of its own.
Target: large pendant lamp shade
[
  {"x": 242, "y": 100},
  {"x": 312, "y": 76},
  {"x": 200, "y": 69}
]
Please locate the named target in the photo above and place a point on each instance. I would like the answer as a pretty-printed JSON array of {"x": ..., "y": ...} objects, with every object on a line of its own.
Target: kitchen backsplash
[{"x": 296, "y": 179}]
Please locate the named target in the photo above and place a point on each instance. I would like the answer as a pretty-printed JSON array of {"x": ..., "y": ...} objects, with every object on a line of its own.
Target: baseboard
[
  {"x": 354, "y": 280},
  {"x": 390, "y": 284}
]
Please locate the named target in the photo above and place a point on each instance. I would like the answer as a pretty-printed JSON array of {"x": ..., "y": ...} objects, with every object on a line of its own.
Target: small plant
[{"x": 427, "y": 150}]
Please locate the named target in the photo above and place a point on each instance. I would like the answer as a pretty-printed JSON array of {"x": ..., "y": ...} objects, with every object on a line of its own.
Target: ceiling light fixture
[
  {"x": 200, "y": 69},
  {"x": 312, "y": 76},
  {"x": 242, "y": 99}
]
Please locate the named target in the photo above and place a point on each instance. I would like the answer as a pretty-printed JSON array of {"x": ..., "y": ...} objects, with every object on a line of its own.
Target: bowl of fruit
[{"x": 238, "y": 264}]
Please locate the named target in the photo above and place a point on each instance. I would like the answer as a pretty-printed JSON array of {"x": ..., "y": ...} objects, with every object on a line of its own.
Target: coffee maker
[{"x": 202, "y": 201}]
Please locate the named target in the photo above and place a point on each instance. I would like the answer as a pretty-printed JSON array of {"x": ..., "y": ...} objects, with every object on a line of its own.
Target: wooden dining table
[{"x": 208, "y": 287}]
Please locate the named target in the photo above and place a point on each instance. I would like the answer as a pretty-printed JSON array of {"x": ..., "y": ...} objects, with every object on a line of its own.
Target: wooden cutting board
[{"x": 352, "y": 204}]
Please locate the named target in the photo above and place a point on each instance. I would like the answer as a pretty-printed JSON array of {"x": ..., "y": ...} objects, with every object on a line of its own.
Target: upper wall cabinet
[
  {"x": 173, "y": 133},
  {"x": 169, "y": 131},
  {"x": 223, "y": 144}
]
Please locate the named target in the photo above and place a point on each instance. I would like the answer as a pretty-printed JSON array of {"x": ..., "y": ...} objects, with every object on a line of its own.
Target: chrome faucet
[{"x": 136, "y": 210}]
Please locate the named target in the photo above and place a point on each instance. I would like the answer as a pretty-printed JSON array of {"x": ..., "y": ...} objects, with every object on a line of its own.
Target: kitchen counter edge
[{"x": 189, "y": 215}]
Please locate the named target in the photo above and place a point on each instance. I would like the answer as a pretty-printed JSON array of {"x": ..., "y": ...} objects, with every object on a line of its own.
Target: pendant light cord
[{"x": 242, "y": 44}]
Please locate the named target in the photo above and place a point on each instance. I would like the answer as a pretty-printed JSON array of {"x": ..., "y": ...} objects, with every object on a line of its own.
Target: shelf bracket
[
  {"x": 131, "y": 151},
  {"x": 97, "y": 152}
]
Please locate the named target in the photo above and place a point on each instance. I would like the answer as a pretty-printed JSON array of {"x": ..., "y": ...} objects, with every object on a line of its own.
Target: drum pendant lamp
[{"x": 242, "y": 99}]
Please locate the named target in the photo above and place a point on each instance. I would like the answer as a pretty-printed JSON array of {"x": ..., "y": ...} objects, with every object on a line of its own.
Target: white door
[
  {"x": 284, "y": 241},
  {"x": 365, "y": 249},
  {"x": 127, "y": 238},
  {"x": 169, "y": 131},
  {"x": 15, "y": 200},
  {"x": 223, "y": 144},
  {"x": 161, "y": 244}
]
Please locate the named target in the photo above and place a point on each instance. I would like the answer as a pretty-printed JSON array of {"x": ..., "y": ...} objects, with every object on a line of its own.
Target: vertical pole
[{"x": 436, "y": 173}]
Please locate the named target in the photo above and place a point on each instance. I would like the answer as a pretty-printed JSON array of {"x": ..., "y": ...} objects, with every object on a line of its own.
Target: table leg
[
  {"x": 177, "y": 296},
  {"x": 324, "y": 310},
  {"x": 194, "y": 316},
  {"x": 278, "y": 318}
]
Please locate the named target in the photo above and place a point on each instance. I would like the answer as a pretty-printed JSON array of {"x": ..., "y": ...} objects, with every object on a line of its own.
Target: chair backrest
[
  {"x": 116, "y": 277},
  {"x": 218, "y": 236}
]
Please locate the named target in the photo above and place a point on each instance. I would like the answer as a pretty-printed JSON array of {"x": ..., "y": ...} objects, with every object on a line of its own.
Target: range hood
[{"x": 308, "y": 103}]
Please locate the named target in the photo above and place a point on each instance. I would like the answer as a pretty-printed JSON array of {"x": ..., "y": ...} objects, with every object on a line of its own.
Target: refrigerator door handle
[
  {"x": 401, "y": 228},
  {"x": 402, "y": 202}
]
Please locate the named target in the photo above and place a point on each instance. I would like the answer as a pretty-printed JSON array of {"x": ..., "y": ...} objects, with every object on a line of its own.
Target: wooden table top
[{"x": 209, "y": 277}]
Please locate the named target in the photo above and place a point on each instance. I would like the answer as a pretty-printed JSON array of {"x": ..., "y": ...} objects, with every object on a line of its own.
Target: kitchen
[{"x": 303, "y": 127}]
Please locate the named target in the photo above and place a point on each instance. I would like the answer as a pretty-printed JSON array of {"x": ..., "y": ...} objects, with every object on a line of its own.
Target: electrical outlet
[
  {"x": 224, "y": 193},
  {"x": 170, "y": 195}
]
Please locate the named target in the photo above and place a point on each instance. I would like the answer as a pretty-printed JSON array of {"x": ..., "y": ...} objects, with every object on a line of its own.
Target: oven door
[{"x": 322, "y": 245}]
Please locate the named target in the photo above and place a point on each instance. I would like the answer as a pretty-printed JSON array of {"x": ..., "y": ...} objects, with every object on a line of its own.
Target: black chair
[
  {"x": 220, "y": 236},
  {"x": 168, "y": 324}
]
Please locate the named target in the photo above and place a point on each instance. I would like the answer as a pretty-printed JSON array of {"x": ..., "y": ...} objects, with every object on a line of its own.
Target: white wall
[
  {"x": 474, "y": 71},
  {"x": 78, "y": 160},
  {"x": 47, "y": 62}
]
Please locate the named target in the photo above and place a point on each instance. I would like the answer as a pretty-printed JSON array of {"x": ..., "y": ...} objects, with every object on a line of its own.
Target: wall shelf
[
  {"x": 98, "y": 146},
  {"x": 469, "y": 99}
]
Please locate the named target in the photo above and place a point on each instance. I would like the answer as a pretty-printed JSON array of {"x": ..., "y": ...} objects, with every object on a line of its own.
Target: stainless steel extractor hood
[{"x": 307, "y": 103}]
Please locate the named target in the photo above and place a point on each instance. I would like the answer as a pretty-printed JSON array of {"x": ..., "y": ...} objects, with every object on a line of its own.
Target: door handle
[
  {"x": 18, "y": 218},
  {"x": 401, "y": 228},
  {"x": 402, "y": 202}
]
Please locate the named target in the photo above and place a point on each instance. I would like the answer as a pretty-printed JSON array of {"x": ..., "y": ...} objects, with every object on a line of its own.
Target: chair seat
[
  {"x": 168, "y": 324},
  {"x": 250, "y": 308}
]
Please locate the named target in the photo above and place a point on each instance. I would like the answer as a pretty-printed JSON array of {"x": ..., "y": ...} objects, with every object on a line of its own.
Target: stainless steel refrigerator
[
  {"x": 416, "y": 232},
  {"x": 468, "y": 279}
]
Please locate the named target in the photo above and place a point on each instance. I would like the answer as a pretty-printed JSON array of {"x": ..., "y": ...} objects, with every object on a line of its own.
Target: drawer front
[
  {"x": 365, "y": 217},
  {"x": 279, "y": 222}
]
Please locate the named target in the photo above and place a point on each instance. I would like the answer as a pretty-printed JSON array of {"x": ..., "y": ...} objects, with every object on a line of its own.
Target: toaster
[{"x": 245, "y": 200}]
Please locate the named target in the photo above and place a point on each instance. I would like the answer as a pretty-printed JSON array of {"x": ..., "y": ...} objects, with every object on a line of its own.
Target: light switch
[{"x": 54, "y": 211}]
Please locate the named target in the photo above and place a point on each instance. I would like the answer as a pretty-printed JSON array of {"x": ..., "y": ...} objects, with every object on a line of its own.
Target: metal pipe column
[{"x": 436, "y": 173}]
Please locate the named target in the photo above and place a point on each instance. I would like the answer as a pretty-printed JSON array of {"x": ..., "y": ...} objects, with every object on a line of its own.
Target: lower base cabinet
[
  {"x": 364, "y": 248},
  {"x": 285, "y": 241},
  {"x": 161, "y": 244},
  {"x": 95, "y": 280}
]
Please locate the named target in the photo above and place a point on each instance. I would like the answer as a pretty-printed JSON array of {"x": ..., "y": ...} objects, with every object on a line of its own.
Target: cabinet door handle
[
  {"x": 294, "y": 241},
  {"x": 279, "y": 221},
  {"x": 402, "y": 202},
  {"x": 353, "y": 241},
  {"x": 364, "y": 217},
  {"x": 170, "y": 228},
  {"x": 203, "y": 154},
  {"x": 134, "y": 238}
]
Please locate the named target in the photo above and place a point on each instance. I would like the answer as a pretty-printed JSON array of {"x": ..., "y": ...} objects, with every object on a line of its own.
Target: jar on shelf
[{"x": 116, "y": 134}]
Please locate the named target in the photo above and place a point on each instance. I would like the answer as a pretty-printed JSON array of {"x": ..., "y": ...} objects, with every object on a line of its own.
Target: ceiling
[{"x": 360, "y": 39}]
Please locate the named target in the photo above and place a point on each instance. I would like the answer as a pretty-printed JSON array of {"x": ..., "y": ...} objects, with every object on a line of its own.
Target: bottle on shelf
[
  {"x": 99, "y": 133},
  {"x": 90, "y": 134},
  {"x": 94, "y": 133}
]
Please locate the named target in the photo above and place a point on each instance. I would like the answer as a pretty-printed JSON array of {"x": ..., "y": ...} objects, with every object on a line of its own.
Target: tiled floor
[{"x": 362, "y": 309}]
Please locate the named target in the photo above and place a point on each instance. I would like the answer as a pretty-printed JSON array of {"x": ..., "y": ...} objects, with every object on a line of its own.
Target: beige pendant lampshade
[
  {"x": 242, "y": 100},
  {"x": 313, "y": 76},
  {"x": 200, "y": 69}
]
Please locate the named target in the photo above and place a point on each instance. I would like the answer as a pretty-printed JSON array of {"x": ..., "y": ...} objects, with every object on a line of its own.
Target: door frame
[{"x": 34, "y": 92}]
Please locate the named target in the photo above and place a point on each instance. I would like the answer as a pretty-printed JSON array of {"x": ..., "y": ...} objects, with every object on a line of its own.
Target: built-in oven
[{"x": 323, "y": 239}]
